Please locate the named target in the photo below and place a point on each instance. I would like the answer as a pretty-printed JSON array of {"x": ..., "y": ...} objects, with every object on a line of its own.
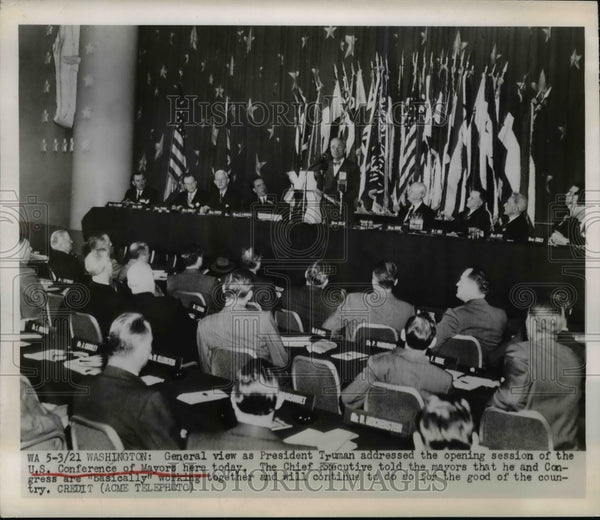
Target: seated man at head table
[
  {"x": 445, "y": 425},
  {"x": 416, "y": 209},
  {"x": 260, "y": 195},
  {"x": 254, "y": 399},
  {"x": 310, "y": 301},
  {"x": 475, "y": 318},
  {"x": 516, "y": 225},
  {"x": 543, "y": 375},
  {"x": 239, "y": 329},
  {"x": 570, "y": 229},
  {"x": 66, "y": 266},
  {"x": 223, "y": 196},
  {"x": 408, "y": 366},
  {"x": 378, "y": 306},
  {"x": 264, "y": 290},
  {"x": 140, "y": 193},
  {"x": 191, "y": 197},
  {"x": 118, "y": 397},
  {"x": 475, "y": 216}
]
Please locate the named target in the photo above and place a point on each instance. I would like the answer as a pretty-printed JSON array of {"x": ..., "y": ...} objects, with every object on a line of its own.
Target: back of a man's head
[
  {"x": 544, "y": 319},
  {"x": 385, "y": 274},
  {"x": 191, "y": 256},
  {"x": 446, "y": 424},
  {"x": 58, "y": 239},
  {"x": 317, "y": 274},
  {"x": 236, "y": 285},
  {"x": 419, "y": 331},
  {"x": 128, "y": 332},
  {"x": 138, "y": 250},
  {"x": 140, "y": 278},
  {"x": 251, "y": 259},
  {"x": 97, "y": 263},
  {"x": 255, "y": 390}
]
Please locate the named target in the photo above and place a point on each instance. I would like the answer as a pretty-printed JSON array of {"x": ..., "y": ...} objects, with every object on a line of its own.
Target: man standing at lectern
[{"x": 338, "y": 175}]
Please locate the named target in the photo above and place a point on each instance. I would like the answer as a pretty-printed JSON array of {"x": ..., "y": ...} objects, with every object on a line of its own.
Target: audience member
[
  {"x": 140, "y": 193},
  {"x": 408, "y": 366},
  {"x": 118, "y": 397},
  {"x": 475, "y": 216},
  {"x": 264, "y": 290},
  {"x": 570, "y": 229},
  {"x": 445, "y": 425},
  {"x": 416, "y": 210},
  {"x": 516, "y": 225},
  {"x": 378, "y": 306},
  {"x": 138, "y": 252},
  {"x": 475, "y": 318},
  {"x": 103, "y": 242},
  {"x": 239, "y": 329},
  {"x": 543, "y": 375},
  {"x": 67, "y": 267}
]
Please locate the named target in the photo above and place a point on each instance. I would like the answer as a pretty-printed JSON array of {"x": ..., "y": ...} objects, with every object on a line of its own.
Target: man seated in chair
[
  {"x": 118, "y": 397},
  {"x": 66, "y": 266},
  {"x": 543, "y": 375},
  {"x": 408, "y": 366},
  {"x": 378, "y": 306},
  {"x": 238, "y": 328},
  {"x": 475, "y": 318}
]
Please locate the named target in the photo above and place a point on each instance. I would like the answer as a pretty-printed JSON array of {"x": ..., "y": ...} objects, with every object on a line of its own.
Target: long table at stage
[{"x": 428, "y": 265}]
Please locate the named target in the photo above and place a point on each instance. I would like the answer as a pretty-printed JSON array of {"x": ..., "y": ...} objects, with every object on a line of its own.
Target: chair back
[
  {"x": 194, "y": 303},
  {"x": 85, "y": 332},
  {"x": 400, "y": 404},
  {"x": 91, "y": 435},
  {"x": 319, "y": 378},
  {"x": 523, "y": 430},
  {"x": 464, "y": 349},
  {"x": 54, "y": 440},
  {"x": 375, "y": 335},
  {"x": 226, "y": 362},
  {"x": 288, "y": 321}
]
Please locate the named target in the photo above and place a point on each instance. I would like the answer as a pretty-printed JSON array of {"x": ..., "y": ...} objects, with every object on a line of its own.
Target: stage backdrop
[{"x": 497, "y": 109}]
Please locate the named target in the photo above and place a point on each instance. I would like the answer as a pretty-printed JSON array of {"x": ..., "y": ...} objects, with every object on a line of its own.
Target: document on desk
[
  {"x": 202, "y": 396},
  {"x": 295, "y": 341},
  {"x": 349, "y": 356},
  {"x": 151, "y": 380}
]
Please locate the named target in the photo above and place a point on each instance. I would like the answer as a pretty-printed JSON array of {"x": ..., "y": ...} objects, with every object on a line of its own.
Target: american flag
[{"x": 177, "y": 162}]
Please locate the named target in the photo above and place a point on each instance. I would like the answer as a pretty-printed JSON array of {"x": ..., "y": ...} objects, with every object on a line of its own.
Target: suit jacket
[
  {"x": 546, "y": 377},
  {"x": 104, "y": 303},
  {"x": 66, "y": 266},
  {"x": 399, "y": 367},
  {"x": 181, "y": 199},
  {"x": 193, "y": 280},
  {"x": 311, "y": 304},
  {"x": 138, "y": 413},
  {"x": 172, "y": 328},
  {"x": 475, "y": 318},
  {"x": 240, "y": 330},
  {"x": 255, "y": 202},
  {"x": 370, "y": 307},
  {"x": 517, "y": 230},
  {"x": 571, "y": 228},
  {"x": 423, "y": 211},
  {"x": 228, "y": 202},
  {"x": 480, "y": 219},
  {"x": 327, "y": 182},
  {"x": 148, "y": 194}
]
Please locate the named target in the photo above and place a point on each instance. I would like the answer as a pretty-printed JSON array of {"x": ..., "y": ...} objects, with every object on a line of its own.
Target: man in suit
[
  {"x": 191, "y": 197},
  {"x": 336, "y": 175},
  {"x": 66, "y": 266},
  {"x": 260, "y": 196},
  {"x": 408, "y": 366},
  {"x": 516, "y": 225},
  {"x": 191, "y": 279},
  {"x": 475, "y": 216},
  {"x": 416, "y": 215},
  {"x": 140, "y": 193},
  {"x": 118, "y": 397},
  {"x": 239, "y": 329},
  {"x": 172, "y": 327},
  {"x": 264, "y": 290},
  {"x": 254, "y": 399},
  {"x": 104, "y": 303},
  {"x": 222, "y": 197},
  {"x": 378, "y": 306},
  {"x": 475, "y": 318},
  {"x": 310, "y": 301},
  {"x": 543, "y": 375}
]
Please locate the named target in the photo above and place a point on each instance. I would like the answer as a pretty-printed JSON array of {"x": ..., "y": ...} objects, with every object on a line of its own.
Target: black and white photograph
[{"x": 344, "y": 254}]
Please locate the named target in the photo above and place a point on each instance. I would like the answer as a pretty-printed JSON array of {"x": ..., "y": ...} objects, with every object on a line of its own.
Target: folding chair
[
  {"x": 85, "y": 332},
  {"x": 523, "y": 430},
  {"x": 49, "y": 441},
  {"x": 194, "y": 303},
  {"x": 92, "y": 435},
  {"x": 288, "y": 321},
  {"x": 319, "y": 378},
  {"x": 400, "y": 404},
  {"x": 375, "y": 335},
  {"x": 464, "y": 349}
]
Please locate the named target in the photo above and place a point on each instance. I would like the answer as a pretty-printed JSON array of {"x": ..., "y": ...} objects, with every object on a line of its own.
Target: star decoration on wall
[
  {"x": 139, "y": 114},
  {"x": 210, "y": 79},
  {"x": 46, "y": 87},
  {"x": 156, "y": 91},
  {"x": 194, "y": 39},
  {"x": 55, "y": 145},
  {"x": 280, "y": 56},
  {"x": 271, "y": 132},
  {"x": 329, "y": 32},
  {"x": 90, "y": 48},
  {"x": 48, "y": 58},
  {"x": 142, "y": 163},
  {"x": 230, "y": 66},
  {"x": 71, "y": 144},
  {"x": 547, "y": 33},
  {"x": 219, "y": 91},
  {"x": 574, "y": 59},
  {"x": 163, "y": 72},
  {"x": 351, "y": 42},
  {"x": 158, "y": 147},
  {"x": 180, "y": 73},
  {"x": 294, "y": 76},
  {"x": 563, "y": 131},
  {"x": 186, "y": 58},
  {"x": 248, "y": 39},
  {"x": 86, "y": 113},
  {"x": 45, "y": 116},
  {"x": 304, "y": 39},
  {"x": 202, "y": 66},
  {"x": 88, "y": 80},
  {"x": 259, "y": 165},
  {"x": 240, "y": 147},
  {"x": 44, "y": 146},
  {"x": 171, "y": 38}
]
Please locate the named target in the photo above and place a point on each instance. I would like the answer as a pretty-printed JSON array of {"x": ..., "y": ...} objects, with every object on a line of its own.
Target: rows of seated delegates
[{"x": 138, "y": 316}]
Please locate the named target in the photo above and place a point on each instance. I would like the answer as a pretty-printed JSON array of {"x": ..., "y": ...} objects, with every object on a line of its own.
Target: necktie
[
  {"x": 409, "y": 214},
  {"x": 139, "y": 195}
]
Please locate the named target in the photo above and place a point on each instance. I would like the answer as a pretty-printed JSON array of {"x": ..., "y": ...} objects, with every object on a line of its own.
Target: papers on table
[
  {"x": 48, "y": 355},
  {"x": 202, "y": 397},
  {"x": 151, "y": 380},
  {"x": 30, "y": 335},
  {"x": 466, "y": 382},
  {"x": 333, "y": 440},
  {"x": 349, "y": 356},
  {"x": 87, "y": 369},
  {"x": 295, "y": 341},
  {"x": 321, "y": 346}
]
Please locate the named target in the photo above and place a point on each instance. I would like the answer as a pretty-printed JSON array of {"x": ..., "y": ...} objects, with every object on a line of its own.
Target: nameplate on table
[
  {"x": 394, "y": 227},
  {"x": 197, "y": 307},
  {"x": 381, "y": 344},
  {"x": 302, "y": 400},
  {"x": 320, "y": 332},
  {"x": 65, "y": 280},
  {"x": 163, "y": 360},
  {"x": 114, "y": 204},
  {"x": 42, "y": 329},
  {"x": 242, "y": 214},
  {"x": 84, "y": 345},
  {"x": 362, "y": 418},
  {"x": 273, "y": 217},
  {"x": 295, "y": 341}
]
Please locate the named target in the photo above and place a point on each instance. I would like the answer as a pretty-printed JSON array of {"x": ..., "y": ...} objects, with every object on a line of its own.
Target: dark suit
[
  {"x": 546, "y": 377},
  {"x": 181, "y": 199},
  {"x": 399, "y": 367},
  {"x": 254, "y": 203},
  {"x": 192, "y": 280},
  {"x": 138, "y": 413},
  {"x": 229, "y": 201},
  {"x": 105, "y": 304},
  {"x": 327, "y": 182},
  {"x": 311, "y": 304},
  {"x": 480, "y": 219},
  {"x": 423, "y": 211},
  {"x": 148, "y": 196},
  {"x": 517, "y": 230},
  {"x": 66, "y": 266},
  {"x": 475, "y": 318},
  {"x": 172, "y": 328},
  {"x": 571, "y": 228}
]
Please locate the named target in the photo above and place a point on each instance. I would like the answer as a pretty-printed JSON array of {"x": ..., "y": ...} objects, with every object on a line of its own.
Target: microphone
[{"x": 342, "y": 184}]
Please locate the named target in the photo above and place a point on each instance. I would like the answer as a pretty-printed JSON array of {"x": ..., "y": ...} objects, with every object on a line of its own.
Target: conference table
[{"x": 429, "y": 264}]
